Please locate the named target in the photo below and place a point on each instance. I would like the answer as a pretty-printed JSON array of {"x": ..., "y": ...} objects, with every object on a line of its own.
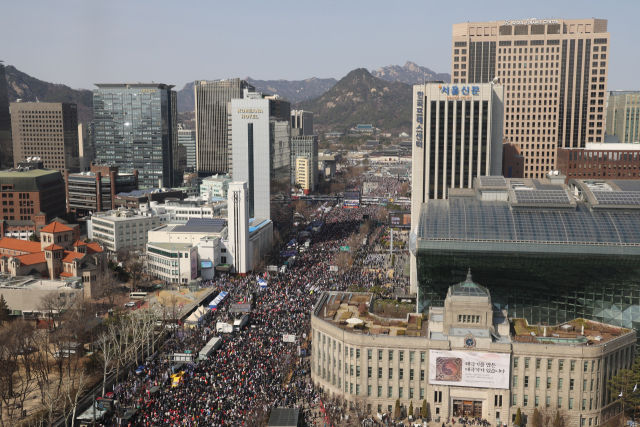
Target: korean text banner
[{"x": 469, "y": 369}]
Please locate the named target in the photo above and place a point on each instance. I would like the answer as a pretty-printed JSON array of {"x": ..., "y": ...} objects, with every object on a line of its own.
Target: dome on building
[{"x": 468, "y": 288}]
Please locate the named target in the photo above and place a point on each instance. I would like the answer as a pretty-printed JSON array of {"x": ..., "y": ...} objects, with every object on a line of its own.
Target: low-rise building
[
  {"x": 120, "y": 228},
  {"x": 206, "y": 235},
  {"x": 466, "y": 359},
  {"x": 600, "y": 161},
  {"x": 23, "y": 230},
  {"x": 24, "y": 295},
  {"x": 215, "y": 187},
  {"x": 173, "y": 262},
  {"x": 30, "y": 189},
  {"x": 96, "y": 189},
  {"x": 137, "y": 198},
  {"x": 181, "y": 211},
  {"x": 57, "y": 256}
]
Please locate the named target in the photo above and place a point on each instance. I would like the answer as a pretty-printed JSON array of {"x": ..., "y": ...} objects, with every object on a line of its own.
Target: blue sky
[{"x": 81, "y": 42}]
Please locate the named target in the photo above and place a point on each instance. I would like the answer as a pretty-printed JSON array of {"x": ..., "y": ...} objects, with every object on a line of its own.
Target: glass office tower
[
  {"x": 212, "y": 136},
  {"x": 260, "y": 136},
  {"x": 547, "y": 252},
  {"x": 136, "y": 129}
]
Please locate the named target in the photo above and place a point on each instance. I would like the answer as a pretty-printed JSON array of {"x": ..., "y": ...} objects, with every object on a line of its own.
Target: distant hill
[
  {"x": 360, "y": 97},
  {"x": 294, "y": 91},
  {"x": 29, "y": 89},
  {"x": 410, "y": 74}
]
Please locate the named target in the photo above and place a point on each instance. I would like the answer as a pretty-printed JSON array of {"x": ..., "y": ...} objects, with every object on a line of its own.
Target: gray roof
[
  {"x": 284, "y": 417},
  {"x": 473, "y": 220},
  {"x": 198, "y": 229}
]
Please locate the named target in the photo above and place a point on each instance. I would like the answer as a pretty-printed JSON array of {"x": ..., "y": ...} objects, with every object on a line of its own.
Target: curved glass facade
[{"x": 546, "y": 265}]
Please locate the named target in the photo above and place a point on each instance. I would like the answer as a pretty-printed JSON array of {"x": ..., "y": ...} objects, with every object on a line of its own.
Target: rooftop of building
[
  {"x": 574, "y": 332},
  {"x": 30, "y": 179},
  {"x": 196, "y": 225},
  {"x": 535, "y": 211},
  {"x": 117, "y": 215},
  {"x": 352, "y": 312},
  {"x": 27, "y": 282},
  {"x": 136, "y": 85},
  {"x": 145, "y": 192},
  {"x": 217, "y": 178},
  {"x": 172, "y": 246}
]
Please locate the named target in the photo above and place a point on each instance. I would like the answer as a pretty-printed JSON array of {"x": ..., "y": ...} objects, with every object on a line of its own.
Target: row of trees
[{"x": 45, "y": 372}]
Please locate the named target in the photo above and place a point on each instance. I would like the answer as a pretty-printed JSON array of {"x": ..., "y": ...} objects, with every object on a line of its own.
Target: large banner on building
[{"x": 469, "y": 369}]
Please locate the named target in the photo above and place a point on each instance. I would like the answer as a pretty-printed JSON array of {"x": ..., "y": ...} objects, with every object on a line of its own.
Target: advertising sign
[
  {"x": 206, "y": 264},
  {"x": 333, "y": 268},
  {"x": 288, "y": 338},
  {"x": 400, "y": 219},
  {"x": 469, "y": 369}
]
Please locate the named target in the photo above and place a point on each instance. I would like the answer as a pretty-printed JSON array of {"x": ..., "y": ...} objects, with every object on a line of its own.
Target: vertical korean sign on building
[{"x": 418, "y": 131}]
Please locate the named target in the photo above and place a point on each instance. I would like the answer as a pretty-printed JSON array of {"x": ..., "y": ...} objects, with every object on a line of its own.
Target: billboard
[
  {"x": 400, "y": 219},
  {"x": 206, "y": 264},
  {"x": 469, "y": 369},
  {"x": 351, "y": 199}
]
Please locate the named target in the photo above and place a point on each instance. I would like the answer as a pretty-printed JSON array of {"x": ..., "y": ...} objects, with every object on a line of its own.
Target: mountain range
[
  {"x": 359, "y": 97},
  {"x": 410, "y": 74},
  {"x": 29, "y": 89},
  {"x": 381, "y": 97},
  {"x": 297, "y": 91}
]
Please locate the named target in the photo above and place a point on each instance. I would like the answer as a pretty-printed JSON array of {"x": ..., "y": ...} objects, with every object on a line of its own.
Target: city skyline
[{"x": 351, "y": 35}]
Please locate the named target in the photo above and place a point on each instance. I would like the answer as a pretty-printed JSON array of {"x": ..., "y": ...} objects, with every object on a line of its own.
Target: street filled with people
[{"x": 254, "y": 370}]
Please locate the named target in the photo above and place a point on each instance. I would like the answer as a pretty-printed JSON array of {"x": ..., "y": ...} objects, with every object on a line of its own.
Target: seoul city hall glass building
[{"x": 548, "y": 252}]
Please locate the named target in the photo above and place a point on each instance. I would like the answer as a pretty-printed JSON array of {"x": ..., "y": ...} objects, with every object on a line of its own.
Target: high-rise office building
[
  {"x": 301, "y": 123},
  {"x": 48, "y": 130},
  {"x": 6, "y": 145},
  {"x": 187, "y": 138},
  {"x": 261, "y": 140},
  {"x": 305, "y": 147},
  {"x": 623, "y": 115},
  {"x": 555, "y": 74},
  {"x": 136, "y": 127},
  {"x": 212, "y": 136},
  {"x": 457, "y": 136}
]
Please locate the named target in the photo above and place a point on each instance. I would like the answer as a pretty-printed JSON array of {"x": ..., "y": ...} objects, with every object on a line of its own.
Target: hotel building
[{"x": 555, "y": 76}]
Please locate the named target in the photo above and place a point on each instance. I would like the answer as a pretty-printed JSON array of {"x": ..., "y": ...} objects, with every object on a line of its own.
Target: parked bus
[{"x": 138, "y": 295}]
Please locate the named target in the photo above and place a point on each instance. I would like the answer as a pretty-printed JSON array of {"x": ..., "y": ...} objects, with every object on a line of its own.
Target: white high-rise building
[{"x": 238, "y": 245}]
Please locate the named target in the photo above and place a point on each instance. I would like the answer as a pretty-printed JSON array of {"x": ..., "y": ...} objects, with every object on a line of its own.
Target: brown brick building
[
  {"x": 29, "y": 190},
  {"x": 555, "y": 75},
  {"x": 603, "y": 161}
]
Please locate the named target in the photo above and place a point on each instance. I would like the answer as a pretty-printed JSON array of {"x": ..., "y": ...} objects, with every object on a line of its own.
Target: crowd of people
[{"x": 253, "y": 370}]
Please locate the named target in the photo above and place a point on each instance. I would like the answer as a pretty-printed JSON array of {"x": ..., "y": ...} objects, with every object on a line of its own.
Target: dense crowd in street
[{"x": 254, "y": 370}]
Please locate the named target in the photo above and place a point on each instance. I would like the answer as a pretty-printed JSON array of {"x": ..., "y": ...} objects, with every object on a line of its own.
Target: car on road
[{"x": 130, "y": 304}]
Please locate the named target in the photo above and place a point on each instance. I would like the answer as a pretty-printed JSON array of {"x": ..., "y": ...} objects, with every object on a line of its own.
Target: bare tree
[
  {"x": 360, "y": 408},
  {"x": 134, "y": 267},
  {"x": 52, "y": 305},
  {"x": 343, "y": 260},
  {"x": 107, "y": 286},
  {"x": 107, "y": 355}
]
